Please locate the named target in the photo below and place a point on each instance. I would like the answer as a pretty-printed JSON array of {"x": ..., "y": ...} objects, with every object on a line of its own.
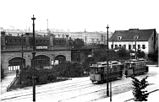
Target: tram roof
[
  {"x": 104, "y": 64},
  {"x": 135, "y": 60}
]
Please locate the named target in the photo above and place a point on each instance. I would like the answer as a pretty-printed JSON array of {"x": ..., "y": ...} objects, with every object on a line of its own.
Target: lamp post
[
  {"x": 33, "y": 61},
  {"x": 22, "y": 58},
  {"x": 108, "y": 68},
  {"x": 107, "y": 63}
]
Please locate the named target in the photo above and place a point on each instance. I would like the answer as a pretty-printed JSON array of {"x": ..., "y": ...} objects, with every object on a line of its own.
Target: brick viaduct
[
  {"x": 6, "y": 56},
  {"x": 49, "y": 47}
]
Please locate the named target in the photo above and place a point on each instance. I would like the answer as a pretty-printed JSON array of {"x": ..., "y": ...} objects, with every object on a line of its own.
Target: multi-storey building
[
  {"x": 16, "y": 50},
  {"x": 135, "y": 39},
  {"x": 87, "y": 37}
]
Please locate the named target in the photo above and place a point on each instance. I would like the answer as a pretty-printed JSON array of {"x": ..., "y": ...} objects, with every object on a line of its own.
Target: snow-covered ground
[
  {"x": 82, "y": 90},
  {"x": 7, "y": 80}
]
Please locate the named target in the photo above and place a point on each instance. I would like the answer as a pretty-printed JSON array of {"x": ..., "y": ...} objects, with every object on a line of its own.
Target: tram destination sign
[{"x": 41, "y": 47}]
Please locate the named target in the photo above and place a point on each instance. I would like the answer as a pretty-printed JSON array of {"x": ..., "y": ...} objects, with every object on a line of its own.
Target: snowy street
[
  {"x": 7, "y": 80},
  {"x": 82, "y": 90}
]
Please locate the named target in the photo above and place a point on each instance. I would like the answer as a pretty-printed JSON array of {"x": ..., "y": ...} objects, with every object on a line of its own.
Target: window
[
  {"x": 119, "y": 37},
  {"x": 119, "y": 45},
  {"x": 116, "y": 46},
  {"x": 136, "y": 37},
  {"x": 129, "y": 47},
  {"x": 112, "y": 46},
  {"x": 133, "y": 46},
  {"x": 15, "y": 40},
  {"x": 143, "y": 46},
  {"x": 124, "y": 46},
  {"x": 138, "y": 46}
]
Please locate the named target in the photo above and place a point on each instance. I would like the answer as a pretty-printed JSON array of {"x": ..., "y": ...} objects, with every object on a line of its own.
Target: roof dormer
[{"x": 119, "y": 37}]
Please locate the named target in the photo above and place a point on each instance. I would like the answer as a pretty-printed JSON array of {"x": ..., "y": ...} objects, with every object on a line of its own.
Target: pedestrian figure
[{"x": 17, "y": 73}]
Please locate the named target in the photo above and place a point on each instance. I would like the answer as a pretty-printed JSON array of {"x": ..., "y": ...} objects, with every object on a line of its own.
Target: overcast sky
[{"x": 77, "y": 15}]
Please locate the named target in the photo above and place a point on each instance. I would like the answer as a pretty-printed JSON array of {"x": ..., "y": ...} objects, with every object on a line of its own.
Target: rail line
[
  {"x": 99, "y": 89},
  {"x": 64, "y": 88}
]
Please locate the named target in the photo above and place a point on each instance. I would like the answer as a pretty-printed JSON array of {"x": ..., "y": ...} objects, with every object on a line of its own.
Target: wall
[
  {"x": 6, "y": 56},
  {"x": 146, "y": 50}
]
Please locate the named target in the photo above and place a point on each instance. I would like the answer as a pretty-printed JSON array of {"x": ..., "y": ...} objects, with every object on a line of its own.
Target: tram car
[
  {"x": 101, "y": 73},
  {"x": 135, "y": 67}
]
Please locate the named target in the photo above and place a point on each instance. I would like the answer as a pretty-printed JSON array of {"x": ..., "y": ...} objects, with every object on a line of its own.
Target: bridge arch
[
  {"x": 41, "y": 61},
  {"x": 15, "y": 63},
  {"x": 60, "y": 58}
]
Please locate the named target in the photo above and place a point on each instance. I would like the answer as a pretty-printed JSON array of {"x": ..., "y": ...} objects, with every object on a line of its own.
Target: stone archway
[
  {"x": 41, "y": 61},
  {"x": 60, "y": 58},
  {"x": 15, "y": 63}
]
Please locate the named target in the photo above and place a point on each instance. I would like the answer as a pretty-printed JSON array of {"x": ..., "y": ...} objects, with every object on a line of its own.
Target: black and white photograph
[{"x": 79, "y": 50}]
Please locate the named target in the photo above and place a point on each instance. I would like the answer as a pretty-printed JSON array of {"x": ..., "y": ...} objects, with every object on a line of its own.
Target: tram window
[
  {"x": 114, "y": 69},
  {"x": 102, "y": 69},
  {"x": 131, "y": 65},
  {"x": 92, "y": 70},
  {"x": 96, "y": 70},
  {"x": 105, "y": 69}
]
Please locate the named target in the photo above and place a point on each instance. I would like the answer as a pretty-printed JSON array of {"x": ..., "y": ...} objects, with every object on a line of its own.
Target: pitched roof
[{"x": 129, "y": 35}]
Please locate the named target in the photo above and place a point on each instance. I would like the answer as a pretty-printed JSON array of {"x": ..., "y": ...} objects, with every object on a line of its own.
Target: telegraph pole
[
  {"x": 107, "y": 63},
  {"x": 22, "y": 64},
  {"x": 108, "y": 68},
  {"x": 33, "y": 61}
]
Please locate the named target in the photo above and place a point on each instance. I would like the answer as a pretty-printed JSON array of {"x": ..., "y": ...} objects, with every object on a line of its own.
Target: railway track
[
  {"x": 67, "y": 88},
  {"x": 70, "y": 90}
]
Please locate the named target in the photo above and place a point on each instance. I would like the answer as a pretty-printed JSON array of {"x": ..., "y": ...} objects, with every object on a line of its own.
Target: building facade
[
  {"x": 16, "y": 50},
  {"x": 135, "y": 39},
  {"x": 87, "y": 37}
]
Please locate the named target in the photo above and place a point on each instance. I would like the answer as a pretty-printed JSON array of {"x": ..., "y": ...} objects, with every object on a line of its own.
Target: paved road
[
  {"x": 75, "y": 90},
  {"x": 7, "y": 80}
]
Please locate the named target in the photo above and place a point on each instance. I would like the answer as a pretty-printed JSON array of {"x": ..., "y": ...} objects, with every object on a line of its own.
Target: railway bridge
[
  {"x": 16, "y": 51},
  {"x": 13, "y": 60}
]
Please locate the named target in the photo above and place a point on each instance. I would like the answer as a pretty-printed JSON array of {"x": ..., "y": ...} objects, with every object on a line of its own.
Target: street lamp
[
  {"x": 33, "y": 60},
  {"x": 108, "y": 68},
  {"x": 107, "y": 63},
  {"x": 22, "y": 58}
]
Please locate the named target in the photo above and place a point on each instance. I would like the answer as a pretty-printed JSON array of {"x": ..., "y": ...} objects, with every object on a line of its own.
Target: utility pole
[
  {"x": 33, "y": 61},
  {"x": 108, "y": 68},
  {"x": 22, "y": 58},
  {"x": 107, "y": 63}
]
